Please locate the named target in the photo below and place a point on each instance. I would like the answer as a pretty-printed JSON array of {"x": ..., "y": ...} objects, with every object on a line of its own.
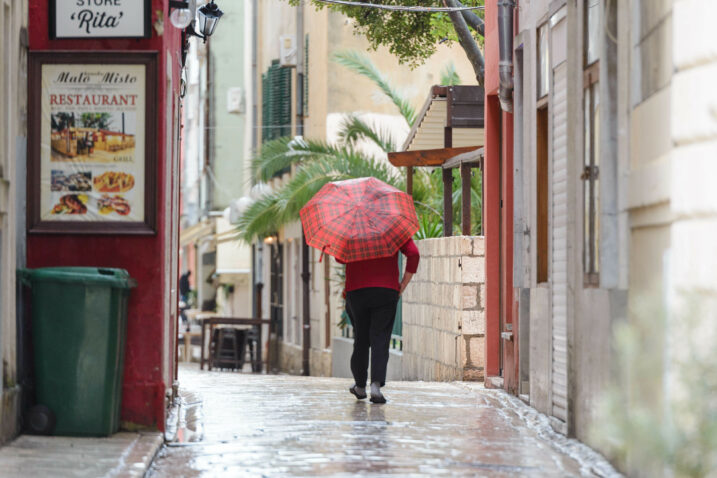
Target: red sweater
[{"x": 381, "y": 272}]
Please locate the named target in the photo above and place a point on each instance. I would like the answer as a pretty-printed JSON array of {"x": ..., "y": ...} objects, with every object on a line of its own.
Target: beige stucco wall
[
  {"x": 444, "y": 311},
  {"x": 333, "y": 91}
]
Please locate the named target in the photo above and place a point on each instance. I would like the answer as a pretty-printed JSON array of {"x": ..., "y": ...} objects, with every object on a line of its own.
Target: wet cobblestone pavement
[{"x": 276, "y": 426}]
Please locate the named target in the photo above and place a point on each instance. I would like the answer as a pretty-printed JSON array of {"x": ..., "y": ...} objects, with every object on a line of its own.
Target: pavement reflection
[{"x": 280, "y": 425}]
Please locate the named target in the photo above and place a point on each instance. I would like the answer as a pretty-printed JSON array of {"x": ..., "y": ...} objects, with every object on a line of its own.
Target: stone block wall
[{"x": 444, "y": 311}]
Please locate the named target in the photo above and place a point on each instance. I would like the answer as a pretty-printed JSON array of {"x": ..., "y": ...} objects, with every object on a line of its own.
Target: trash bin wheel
[{"x": 40, "y": 420}]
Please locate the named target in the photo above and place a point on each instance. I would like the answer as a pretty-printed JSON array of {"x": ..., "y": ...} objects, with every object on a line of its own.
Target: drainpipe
[
  {"x": 505, "y": 64},
  {"x": 305, "y": 271}
]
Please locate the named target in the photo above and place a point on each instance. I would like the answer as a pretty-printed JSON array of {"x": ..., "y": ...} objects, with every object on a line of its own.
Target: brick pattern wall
[{"x": 444, "y": 311}]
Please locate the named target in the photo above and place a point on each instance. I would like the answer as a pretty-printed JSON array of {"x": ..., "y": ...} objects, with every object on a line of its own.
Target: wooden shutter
[{"x": 559, "y": 256}]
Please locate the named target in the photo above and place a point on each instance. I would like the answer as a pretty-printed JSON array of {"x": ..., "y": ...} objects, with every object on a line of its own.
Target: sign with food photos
[{"x": 92, "y": 132}]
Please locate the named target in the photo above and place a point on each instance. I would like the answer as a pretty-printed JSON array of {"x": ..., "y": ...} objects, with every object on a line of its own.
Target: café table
[{"x": 209, "y": 322}]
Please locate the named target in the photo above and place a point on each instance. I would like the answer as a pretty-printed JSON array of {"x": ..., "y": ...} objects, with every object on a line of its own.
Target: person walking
[
  {"x": 372, "y": 293},
  {"x": 184, "y": 287},
  {"x": 364, "y": 223}
]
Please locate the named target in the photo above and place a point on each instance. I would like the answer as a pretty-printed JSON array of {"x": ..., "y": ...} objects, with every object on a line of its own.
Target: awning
[
  {"x": 233, "y": 255},
  {"x": 195, "y": 232}
]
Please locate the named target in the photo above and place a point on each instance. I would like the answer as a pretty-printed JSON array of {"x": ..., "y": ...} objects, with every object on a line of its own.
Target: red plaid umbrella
[{"x": 359, "y": 219}]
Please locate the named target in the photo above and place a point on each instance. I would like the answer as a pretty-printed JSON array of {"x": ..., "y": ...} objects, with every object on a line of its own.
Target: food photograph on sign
[{"x": 92, "y": 156}]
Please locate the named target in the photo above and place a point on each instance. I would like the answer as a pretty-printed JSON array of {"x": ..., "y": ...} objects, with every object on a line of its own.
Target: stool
[{"x": 228, "y": 348}]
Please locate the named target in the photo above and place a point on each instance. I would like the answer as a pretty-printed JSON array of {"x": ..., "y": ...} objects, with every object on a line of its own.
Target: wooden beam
[
  {"x": 447, "y": 202},
  {"x": 447, "y": 187},
  {"x": 409, "y": 180},
  {"x": 465, "y": 199},
  {"x": 471, "y": 157},
  {"x": 427, "y": 157}
]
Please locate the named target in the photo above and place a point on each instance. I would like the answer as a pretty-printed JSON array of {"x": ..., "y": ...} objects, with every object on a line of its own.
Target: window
[
  {"x": 592, "y": 31},
  {"x": 591, "y": 145},
  {"x": 543, "y": 61},
  {"x": 542, "y": 194}
]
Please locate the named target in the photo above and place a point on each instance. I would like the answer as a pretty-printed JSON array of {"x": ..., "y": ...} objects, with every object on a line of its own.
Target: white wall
[{"x": 13, "y": 132}]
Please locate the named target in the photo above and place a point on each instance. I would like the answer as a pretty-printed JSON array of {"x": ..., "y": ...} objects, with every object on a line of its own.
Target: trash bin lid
[{"x": 107, "y": 276}]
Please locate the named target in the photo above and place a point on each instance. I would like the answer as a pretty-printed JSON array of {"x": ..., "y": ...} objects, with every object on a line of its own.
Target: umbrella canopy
[{"x": 359, "y": 219}]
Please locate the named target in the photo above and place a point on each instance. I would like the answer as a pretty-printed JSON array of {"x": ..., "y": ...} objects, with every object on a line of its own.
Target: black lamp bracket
[
  {"x": 178, "y": 4},
  {"x": 190, "y": 31}
]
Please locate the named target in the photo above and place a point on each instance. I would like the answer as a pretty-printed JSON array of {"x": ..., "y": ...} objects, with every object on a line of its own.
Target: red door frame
[
  {"x": 492, "y": 225},
  {"x": 498, "y": 220}
]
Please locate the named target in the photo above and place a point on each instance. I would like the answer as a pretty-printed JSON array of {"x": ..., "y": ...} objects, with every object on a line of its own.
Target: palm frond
[
  {"x": 305, "y": 183},
  {"x": 362, "y": 64},
  {"x": 429, "y": 227},
  {"x": 354, "y": 164},
  {"x": 353, "y": 129},
  {"x": 259, "y": 220},
  {"x": 274, "y": 156}
]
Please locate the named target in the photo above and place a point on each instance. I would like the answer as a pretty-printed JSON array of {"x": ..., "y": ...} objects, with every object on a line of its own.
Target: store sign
[
  {"x": 99, "y": 18},
  {"x": 94, "y": 163}
]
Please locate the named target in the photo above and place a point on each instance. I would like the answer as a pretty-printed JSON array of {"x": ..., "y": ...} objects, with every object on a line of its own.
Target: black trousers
[{"x": 372, "y": 311}]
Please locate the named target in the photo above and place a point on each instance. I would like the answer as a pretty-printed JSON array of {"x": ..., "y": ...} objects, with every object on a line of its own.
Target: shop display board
[{"x": 92, "y": 142}]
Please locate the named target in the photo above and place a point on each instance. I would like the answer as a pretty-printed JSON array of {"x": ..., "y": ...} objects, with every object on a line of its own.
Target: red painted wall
[
  {"x": 143, "y": 256},
  {"x": 498, "y": 190}
]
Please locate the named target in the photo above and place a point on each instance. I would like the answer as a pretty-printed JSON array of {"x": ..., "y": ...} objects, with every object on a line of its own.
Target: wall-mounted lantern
[{"x": 186, "y": 15}]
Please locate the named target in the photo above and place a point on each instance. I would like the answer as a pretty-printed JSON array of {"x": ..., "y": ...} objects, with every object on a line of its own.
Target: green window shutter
[
  {"x": 276, "y": 104},
  {"x": 284, "y": 102},
  {"x": 265, "y": 107},
  {"x": 306, "y": 76},
  {"x": 276, "y": 99},
  {"x": 274, "y": 72}
]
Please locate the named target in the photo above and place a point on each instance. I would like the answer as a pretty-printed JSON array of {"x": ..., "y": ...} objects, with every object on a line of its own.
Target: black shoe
[
  {"x": 377, "y": 398},
  {"x": 356, "y": 393}
]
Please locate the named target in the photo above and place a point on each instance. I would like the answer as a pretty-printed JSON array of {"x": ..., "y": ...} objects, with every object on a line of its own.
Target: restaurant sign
[
  {"x": 92, "y": 145},
  {"x": 99, "y": 18}
]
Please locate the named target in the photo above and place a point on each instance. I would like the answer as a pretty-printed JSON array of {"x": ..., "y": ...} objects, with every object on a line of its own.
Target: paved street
[
  {"x": 267, "y": 425},
  {"x": 123, "y": 454}
]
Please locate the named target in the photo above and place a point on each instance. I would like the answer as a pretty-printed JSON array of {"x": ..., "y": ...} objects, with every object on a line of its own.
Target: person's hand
[{"x": 406, "y": 279}]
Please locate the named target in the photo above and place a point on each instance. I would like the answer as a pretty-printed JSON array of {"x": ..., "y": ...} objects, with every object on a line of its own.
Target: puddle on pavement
[
  {"x": 185, "y": 422},
  {"x": 278, "y": 426}
]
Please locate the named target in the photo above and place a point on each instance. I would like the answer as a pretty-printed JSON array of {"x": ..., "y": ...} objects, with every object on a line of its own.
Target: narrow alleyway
[{"x": 267, "y": 425}]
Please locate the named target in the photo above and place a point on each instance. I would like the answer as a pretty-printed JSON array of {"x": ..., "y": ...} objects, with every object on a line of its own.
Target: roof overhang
[
  {"x": 459, "y": 108},
  {"x": 428, "y": 157},
  {"x": 473, "y": 158}
]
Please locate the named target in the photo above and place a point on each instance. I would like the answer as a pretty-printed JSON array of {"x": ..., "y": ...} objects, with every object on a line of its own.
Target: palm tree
[{"x": 316, "y": 163}]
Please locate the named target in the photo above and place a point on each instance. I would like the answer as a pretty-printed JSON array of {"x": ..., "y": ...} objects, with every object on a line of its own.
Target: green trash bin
[{"x": 79, "y": 322}]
